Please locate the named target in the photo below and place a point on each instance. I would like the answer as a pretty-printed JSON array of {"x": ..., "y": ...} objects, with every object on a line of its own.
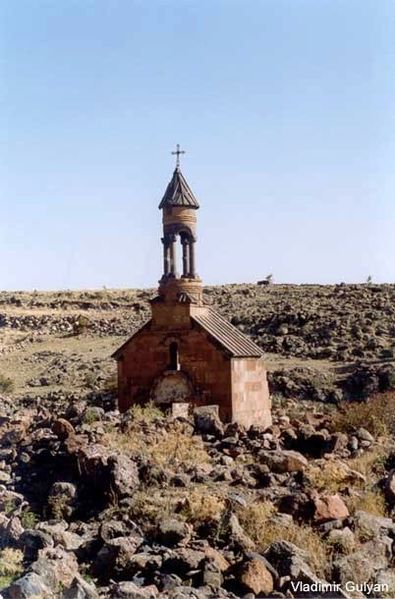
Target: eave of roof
[
  {"x": 233, "y": 340},
  {"x": 219, "y": 329}
]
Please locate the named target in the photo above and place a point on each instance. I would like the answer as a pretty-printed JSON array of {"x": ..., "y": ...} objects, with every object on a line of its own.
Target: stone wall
[
  {"x": 146, "y": 357},
  {"x": 251, "y": 402},
  {"x": 237, "y": 385}
]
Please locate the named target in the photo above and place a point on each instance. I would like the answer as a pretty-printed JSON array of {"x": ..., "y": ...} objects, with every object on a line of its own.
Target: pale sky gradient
[{"x": 286, "y": 109}]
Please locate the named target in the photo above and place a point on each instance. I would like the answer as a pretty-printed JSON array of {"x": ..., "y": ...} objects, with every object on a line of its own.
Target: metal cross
[{"x": 177, "y": 153}]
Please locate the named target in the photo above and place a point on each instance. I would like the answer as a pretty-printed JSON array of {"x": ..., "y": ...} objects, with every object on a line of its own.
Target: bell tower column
[
  {"x": 166, "y": 256},
  {"x": 173, "y": 255},
  {"x": 185, "y": 257},
  {"x": 192, "y": 272}
]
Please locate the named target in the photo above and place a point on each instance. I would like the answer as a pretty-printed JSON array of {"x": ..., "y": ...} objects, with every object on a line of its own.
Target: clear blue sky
[{"x": 285, "y": 108}]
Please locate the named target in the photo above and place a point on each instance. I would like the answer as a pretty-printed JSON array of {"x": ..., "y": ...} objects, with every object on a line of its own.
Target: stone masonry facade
[{"x": 187, "y": 353}]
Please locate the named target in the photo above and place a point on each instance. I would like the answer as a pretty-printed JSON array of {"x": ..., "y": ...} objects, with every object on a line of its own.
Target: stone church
[{"x": 187, "y": 353}]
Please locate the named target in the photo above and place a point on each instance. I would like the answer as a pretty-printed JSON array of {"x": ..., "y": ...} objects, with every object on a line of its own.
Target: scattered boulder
[
  {"x": 283, "y": 460},
  {"x": 114, "y": 557},
  {"x": 329, "y": 507},
  {"x": 287, "y": 559},
  {"x": 172, "y": 531},
  {"x": 342, "y": 540},
  {"x": 369, "y": 526},
  {"x": 62, "y": 428},
  {"x": 29, "y": 586},
  {"x": 11, "y": 530},
  {"x": 256, "y": 577},
  {"x": 56, "y": 567},
  {"x": 130, "y": 590},
  {"x": 124, "y": 475},
  {"x": 32, "y": 541},
  {"x": 361, "y": 566},
  {"x": 182, "y": 560},
  {"x": 53, "y": 571},
  {"x": 238, "y": 537},
  {"x": 80, "y": 589},
  {"x": 207, "y": 420}
]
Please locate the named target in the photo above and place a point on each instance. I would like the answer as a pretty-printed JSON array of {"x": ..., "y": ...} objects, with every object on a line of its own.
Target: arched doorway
[{"x": 171, "y": 387}]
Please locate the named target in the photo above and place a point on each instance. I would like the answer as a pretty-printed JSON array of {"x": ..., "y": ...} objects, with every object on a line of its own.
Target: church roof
[
  {"x": 238, "y": 344},
  {"x": 178, "y": 192},
  {"x": 225, "y": 334}
]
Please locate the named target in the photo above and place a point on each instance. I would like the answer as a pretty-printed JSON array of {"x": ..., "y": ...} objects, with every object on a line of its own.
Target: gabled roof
[
  {"x": 178, "y": 192},
  {"x": 238, "y": 344},
  {"x": 225, "y": 334}
]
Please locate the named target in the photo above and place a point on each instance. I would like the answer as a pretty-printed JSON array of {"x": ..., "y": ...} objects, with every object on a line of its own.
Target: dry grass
[
  {"x": 370, "y": 501},
  {"x": 28, "y": 519},
  {"x": 6, "y": 384},
  {"x": 110, "y": 385},
  {"x": 11, "y": 562},
  {"x": 11, "y": 566},
  {"x": 132, "y": 438},
  {"x": 370, "y": 462},
  {"x": 255, "y": 518},
  {"x": 342, "y": 543},
  {"x": 258, "y": 522},
  {"x": 354, "y": 477},
  {"x": 331, "y": 476},
  {"x": 334, "y": 475},
  {"x": 377, "y": 415},
  {"x": 154, "y": 504},
  {"x": 203, "y": 507},
  {"x": 127, "y": 443},
  {"x": 58, "y": 506},
  {"x": 371, "y": 465},
  {"x": 177, "y": 448},
  {"x": 199, "y": 506},
  {"x": 171, "y": 448},
  {"x": 145, "y": 413}
]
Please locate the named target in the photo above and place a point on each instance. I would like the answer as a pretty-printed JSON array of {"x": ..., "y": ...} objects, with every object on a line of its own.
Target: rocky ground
[
  {"x": 328, "y": 342},
  {"x": 95, "y": 504}
]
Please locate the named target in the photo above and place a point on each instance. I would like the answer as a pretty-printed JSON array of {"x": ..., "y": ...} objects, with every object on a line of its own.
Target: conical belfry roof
[{"x": 178, "y": 192}]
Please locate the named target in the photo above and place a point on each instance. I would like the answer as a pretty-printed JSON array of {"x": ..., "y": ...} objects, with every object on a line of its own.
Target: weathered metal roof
[
  {"x": 227, "y": 336},
  {"x": 178, "y": 193},
  {"x": 238, "y": 344}
]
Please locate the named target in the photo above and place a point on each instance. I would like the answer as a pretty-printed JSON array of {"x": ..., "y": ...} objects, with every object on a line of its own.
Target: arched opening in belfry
[
  {"x": 174, "y": 358},
  {"x": 179, "y": 264}
]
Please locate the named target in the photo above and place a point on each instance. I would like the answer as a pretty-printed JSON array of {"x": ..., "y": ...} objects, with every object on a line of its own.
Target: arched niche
[{"x": 171, "y": 387}]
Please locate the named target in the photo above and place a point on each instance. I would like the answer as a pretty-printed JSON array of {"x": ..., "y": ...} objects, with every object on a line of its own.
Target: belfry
[
  {"x": 179, "y": 207},
  {"x": 187, "y": 353}
]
